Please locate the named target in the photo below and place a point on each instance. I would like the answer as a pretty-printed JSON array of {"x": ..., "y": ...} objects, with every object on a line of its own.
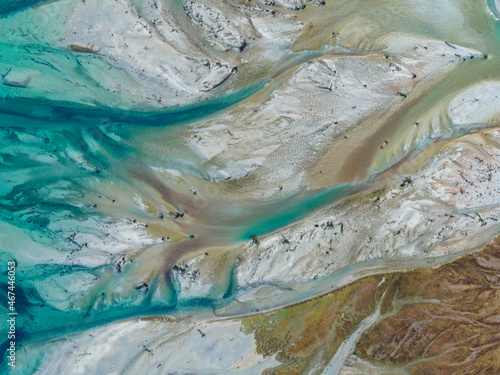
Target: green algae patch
[{"x": 306, "y": 336}]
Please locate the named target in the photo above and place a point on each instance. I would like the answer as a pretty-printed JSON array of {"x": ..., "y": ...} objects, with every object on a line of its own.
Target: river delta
[{"x": 251, "y": 186}]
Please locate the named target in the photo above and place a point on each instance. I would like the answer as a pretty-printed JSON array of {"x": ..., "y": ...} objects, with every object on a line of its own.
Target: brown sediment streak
[
  {"x": 202, "y": 233},
  {"x": 197, "y": 208},
  {"x": 169, "y": 195},
  {"x": 357, "y": 165},
  {"x": 203, "y": 210},
  {"x": 427, "y": 103}
]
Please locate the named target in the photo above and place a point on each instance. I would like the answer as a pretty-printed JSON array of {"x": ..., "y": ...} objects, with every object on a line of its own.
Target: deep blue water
[{"x": 10, "y": 6}]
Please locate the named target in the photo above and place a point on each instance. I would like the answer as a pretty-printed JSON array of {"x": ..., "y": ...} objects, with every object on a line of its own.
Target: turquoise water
[
  {"x": 45, "y": 193},
  {"x": 10, "y": 6},
  {"x": 294, "y": 209},
  {"x": 42, "y": 109},
  {"x": 41, "y": 185}
]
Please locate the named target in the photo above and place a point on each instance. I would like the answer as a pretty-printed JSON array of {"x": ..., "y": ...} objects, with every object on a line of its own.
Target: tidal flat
[{"x": 254, "y": 187}]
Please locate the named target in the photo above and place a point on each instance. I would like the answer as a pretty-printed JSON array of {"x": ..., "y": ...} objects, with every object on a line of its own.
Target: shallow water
[
  {"x": 59, "y": 159},
  {"x": 11, "y": 6}
]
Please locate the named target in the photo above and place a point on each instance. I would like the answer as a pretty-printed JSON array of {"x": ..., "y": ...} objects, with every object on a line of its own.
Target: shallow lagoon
[{"x": 59, "y": 159}]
